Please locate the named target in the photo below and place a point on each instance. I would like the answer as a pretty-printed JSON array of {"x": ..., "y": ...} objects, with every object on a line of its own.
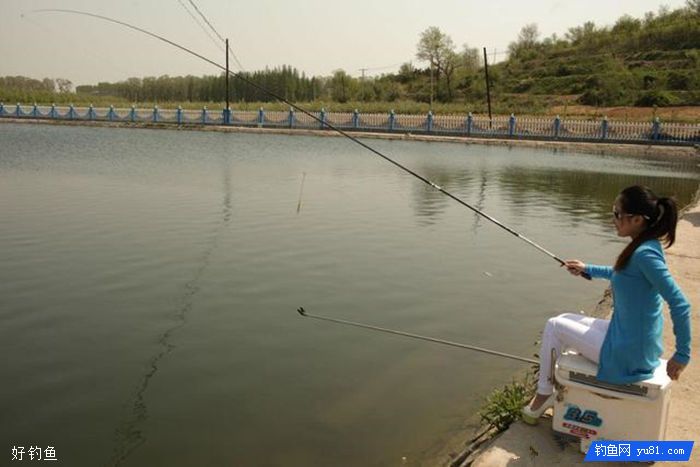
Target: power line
[
  {"x": 228, "y": 51},
  {"x": 377, "y": 68},
  {"x": 382, "y": 67},
  {"x": 199, "y": 23},
  {"x": 238, "y": 62},
  {"x": 207, "y": 21}
]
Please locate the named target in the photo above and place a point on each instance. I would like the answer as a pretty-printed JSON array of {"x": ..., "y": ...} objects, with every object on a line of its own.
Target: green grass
[{"x": 503, "y": 406}]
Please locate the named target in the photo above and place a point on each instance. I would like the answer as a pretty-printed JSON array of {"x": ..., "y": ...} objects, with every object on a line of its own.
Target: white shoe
[{"x": 531, "y": 417}]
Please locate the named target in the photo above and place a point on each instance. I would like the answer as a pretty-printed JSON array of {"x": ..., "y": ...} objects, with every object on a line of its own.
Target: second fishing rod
[{"x": 322, "y": 123}]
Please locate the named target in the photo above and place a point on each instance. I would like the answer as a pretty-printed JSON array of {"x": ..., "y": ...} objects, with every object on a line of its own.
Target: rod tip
[{"x": 301, "y": 311}]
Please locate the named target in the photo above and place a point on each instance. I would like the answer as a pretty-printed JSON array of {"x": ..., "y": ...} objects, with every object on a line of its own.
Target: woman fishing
[{"x": 628, "y": 346}]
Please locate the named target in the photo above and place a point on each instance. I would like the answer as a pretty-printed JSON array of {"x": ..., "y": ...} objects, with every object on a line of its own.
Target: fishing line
[
  {"x": 129, "y": 434},
  {"x": 207, "y": 21},
  {"x": 303, "y": 312},
  {"x": 201, "y": 26},
  {"x": 229, "y": 52},
  {"x": 301, "y": 191},
  {"x": 323, "y": 124}
]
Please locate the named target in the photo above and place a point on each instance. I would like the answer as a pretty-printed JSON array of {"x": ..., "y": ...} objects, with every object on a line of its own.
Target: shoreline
[
  {"x": 522, "y": 444},
  {"x": 623, "y": 149}
]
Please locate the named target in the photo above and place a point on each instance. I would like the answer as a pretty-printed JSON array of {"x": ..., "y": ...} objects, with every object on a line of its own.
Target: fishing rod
[
  {"x": 304, "y": 313},
  {"x": 322, "y": 122}
]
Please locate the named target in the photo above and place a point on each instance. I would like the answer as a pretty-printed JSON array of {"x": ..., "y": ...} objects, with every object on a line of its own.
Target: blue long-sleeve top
[{"x": 634, "y": 343}]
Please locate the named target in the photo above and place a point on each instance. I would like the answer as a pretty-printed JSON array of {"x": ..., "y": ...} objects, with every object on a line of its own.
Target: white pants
[{"x": 569, "y": 331}]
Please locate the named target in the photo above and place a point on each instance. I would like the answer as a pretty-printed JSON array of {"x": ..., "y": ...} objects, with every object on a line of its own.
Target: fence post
[
  {"x": 227, "y": 116},
  {"x": 291, "y": 117},
  {"x": 132, "y": 113},
  {"x": 261, "y": 117},
  {"x": 18, "y": 110},
  {"x": 178, "y": 115},
  {"x": 557, "y": 126},
  {"x": 392, "y": 120},
  {"x": 430, "y": 121},
  {"x": 356, "y": 119},
  {"x": 656, "y": 129},
  {"x": 204, "y": 115},
  {"x": 511, "y": 125},
  {"x": 604, "y": 128}
]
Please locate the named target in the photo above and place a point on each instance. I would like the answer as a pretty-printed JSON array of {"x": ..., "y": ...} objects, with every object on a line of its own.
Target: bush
[
  {"x": 609, "y": 89},
  {"x": 678, "y": 80},
  {"x": 503, "y": 406},
  {"x": 523, "y": 85},
  {"x": 654, "y": 98}
]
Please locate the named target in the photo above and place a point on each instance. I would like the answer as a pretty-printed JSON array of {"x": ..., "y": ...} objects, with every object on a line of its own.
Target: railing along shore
[{"x": 539, "y": 128}]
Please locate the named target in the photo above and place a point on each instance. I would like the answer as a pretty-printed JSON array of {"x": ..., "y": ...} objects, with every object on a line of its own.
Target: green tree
[
  {"x": 341, "y": 86},
  {"x": 64, "y": 85},
  {"x": 694, "y": 6},
  {"x": 470, "y": 58},
  {"x": 437, "y": 48},
  {"x": 526, "y": 44}
]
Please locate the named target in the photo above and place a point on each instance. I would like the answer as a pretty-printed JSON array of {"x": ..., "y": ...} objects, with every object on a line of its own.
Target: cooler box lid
[{"x": 574, "y": 369}]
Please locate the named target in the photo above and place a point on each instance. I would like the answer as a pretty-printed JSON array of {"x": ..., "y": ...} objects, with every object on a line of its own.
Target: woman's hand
[
  {"x": 575, "y": 267},
  {"x": 674, "y": 369}
]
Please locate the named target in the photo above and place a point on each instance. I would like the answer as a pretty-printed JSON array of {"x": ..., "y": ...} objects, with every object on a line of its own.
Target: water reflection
[
  {"x": 428, "y": 202},
  {"x": 581, "y": 194},
  {"x": 481, "y": 199}
]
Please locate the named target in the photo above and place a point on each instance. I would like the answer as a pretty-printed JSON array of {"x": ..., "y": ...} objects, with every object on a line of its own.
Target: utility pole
[
  {"x": 363, "y": 73},
  {"x": 431, "y": 85},
  {"x": 228, "y": 110},
  {"x": 488, "y": 91}
]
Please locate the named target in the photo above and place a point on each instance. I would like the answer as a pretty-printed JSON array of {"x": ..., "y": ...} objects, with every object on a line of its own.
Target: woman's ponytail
[{"x": 664, "y": 226}]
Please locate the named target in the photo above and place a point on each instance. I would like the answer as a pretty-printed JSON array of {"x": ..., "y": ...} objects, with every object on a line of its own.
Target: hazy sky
[{"x": 315, "y": 36}]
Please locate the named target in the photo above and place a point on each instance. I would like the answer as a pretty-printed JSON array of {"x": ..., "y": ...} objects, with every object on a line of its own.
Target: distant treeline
[
  {"x": 285, "y": 81},
  {"x": 47, "y": 85},
  {"x": 654, "y": 60}
]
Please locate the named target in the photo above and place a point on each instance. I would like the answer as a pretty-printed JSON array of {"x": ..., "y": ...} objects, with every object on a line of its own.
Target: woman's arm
[
  {"x": 653, "y": 266},
  {"x": 577, "y": 268},
  {"x": 599, "y": 272}
]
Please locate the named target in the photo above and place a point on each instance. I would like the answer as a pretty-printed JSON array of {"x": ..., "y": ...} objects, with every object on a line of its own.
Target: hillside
[{"x": 649, "y": 61}]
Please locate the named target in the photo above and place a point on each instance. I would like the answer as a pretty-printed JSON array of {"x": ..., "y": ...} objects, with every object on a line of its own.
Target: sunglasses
[{"x": 618, "y": 215}]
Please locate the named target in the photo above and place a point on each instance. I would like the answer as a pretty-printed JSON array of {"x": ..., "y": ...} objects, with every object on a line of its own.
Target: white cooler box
[{"x": 592, "y": 409}]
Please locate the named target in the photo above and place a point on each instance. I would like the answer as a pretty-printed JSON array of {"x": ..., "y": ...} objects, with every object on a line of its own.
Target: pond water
[{"x": 149, "y": 281}]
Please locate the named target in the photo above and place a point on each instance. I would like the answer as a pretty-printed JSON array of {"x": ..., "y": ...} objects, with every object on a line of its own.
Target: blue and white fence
[{"x": 541, "y": 128}]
